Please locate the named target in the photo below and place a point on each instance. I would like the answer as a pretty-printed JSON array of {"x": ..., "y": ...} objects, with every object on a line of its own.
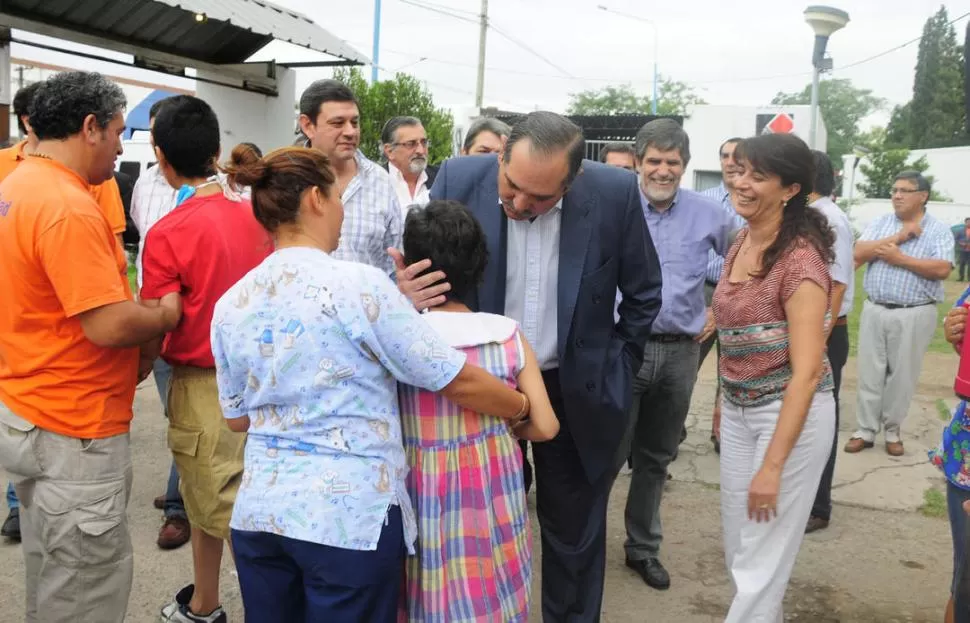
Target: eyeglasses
[
  {"x": 904, "y": 191},
  {"x": 411, "y": 145}
]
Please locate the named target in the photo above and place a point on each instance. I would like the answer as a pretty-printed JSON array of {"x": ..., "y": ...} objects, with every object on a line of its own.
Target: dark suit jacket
[{"x": 604, "y": 245}]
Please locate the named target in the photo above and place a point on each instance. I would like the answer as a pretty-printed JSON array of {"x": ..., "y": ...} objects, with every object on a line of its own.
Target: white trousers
[{"x": 760, "y": 556}]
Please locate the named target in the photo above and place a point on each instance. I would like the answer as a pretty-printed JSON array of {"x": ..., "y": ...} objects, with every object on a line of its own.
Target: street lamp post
[
  {"x": 824, "y": 21},
  {"x": 656, "y": 48}
]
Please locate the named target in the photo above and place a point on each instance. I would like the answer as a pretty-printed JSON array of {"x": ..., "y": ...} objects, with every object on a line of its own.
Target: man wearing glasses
[
  {"x": 406, "y": 149},
  {"x": 907, "y": 255}
]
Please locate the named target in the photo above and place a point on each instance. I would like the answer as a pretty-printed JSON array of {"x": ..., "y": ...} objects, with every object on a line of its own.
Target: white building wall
[
  {"x": 867, "y": 210},
  {"x": 264, "y": 120},
  {"x": 948, "y": 166},
  {"x": 708, "y": 126}
]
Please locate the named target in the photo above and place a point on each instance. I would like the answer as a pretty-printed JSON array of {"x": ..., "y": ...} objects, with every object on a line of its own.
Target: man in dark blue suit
[{"x": 563, "y": 235}]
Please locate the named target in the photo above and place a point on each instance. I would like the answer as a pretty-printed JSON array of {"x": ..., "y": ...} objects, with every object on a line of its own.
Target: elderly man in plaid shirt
[{"x": 907, "y": 254}]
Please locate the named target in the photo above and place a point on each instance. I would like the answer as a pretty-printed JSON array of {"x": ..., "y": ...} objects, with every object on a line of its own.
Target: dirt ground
[{"x": 879, "y": 562}]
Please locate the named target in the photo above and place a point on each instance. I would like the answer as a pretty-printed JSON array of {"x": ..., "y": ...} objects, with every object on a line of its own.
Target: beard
[{"x": 417, "y": 165}]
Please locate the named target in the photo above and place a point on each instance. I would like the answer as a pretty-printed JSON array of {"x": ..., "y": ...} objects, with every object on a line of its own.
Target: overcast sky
[{"x": 730, "y": 52}]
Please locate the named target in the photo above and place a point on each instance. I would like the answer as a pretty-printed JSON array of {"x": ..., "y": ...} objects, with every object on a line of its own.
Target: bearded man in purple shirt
[{"x": 685, "y": 227}]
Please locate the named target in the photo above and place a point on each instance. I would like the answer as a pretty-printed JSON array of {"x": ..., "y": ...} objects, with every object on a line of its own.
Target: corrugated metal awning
[{"x": 216, "y": 32}]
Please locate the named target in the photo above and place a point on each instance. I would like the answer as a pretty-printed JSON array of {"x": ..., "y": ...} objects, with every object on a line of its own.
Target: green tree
[
  {"x": 404, "y": 95},
  {"x": 842, "y": 106},
  {"x": 898, "y": 132},
  {"x": 937, "y": 115},
  {"x": 673, "y": 98},
  {"x": 882, "y": 168}
]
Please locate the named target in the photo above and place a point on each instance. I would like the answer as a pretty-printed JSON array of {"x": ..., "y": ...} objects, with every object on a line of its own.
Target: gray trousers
[
  {"x": 661, "y": 399},
  {"x": 73, "y": 498},
  {"x": 892, "y": 343}
]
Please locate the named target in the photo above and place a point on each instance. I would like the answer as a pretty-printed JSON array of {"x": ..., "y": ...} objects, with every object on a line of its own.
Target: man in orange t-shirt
[
  {"x": 69, "y": 337},
  {"x": 107, "y": 194}
]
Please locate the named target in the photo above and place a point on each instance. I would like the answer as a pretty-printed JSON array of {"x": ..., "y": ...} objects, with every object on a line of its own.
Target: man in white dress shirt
[
  {"x": 405, "y": 144},
  {"x": 843, "y": 289}
]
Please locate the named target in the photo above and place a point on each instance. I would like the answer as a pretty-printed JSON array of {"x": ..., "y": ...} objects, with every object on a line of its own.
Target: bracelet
[{"x": 524, "y": 409}]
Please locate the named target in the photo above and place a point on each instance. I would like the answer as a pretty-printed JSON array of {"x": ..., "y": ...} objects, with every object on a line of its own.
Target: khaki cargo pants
[{"x": 73, "y": 499}]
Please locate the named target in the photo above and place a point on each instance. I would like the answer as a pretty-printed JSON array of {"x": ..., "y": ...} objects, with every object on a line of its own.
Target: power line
[
  {"x": 533, "y": 52},
  {"x": 442, "y": 11},
  {"x": 898, "y": 47}
]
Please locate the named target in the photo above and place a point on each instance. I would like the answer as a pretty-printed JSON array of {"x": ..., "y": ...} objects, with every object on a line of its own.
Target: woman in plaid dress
[{"x": 473, "y": 556}]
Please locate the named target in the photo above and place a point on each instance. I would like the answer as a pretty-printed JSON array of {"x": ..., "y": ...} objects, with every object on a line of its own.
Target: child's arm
[{"x": 542, "y": 424}]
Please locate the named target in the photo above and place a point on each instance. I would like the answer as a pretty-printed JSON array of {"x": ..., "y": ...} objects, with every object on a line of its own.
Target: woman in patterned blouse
[
  {"x": 308, "y": 352},
  {"x": 778, "y": 411}
]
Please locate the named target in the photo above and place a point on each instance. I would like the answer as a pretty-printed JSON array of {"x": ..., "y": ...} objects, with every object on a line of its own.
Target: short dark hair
[
  {"x": 911, "y": 175},
  {"x": 616, "y": 148},
  {"x": 393, "y": 124},
  {"x": 448, "y": 234},
  {"x": 21, "y": 104},
  {"x": 64, "y": 101},
  {"x": 733, "y": 139},
  {"x": 322, "y": 91},
  {"x": 665, "y": 135},
  {"x": 187, "y": 132},
  {"x": 824, "y": 174},
  {"x": 548, "y": 133},
  {"x": 153, "y": 111},
  {"x": 486, "y": 124}
]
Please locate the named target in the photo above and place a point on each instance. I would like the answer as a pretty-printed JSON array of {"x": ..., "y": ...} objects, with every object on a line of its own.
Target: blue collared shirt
[
  {"x": 885, "y": 283},
  {"x": 684, "y": 235},
  {"x": 715, "y": 262}
]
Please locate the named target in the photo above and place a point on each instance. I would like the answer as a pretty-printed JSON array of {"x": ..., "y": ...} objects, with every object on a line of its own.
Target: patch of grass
[
  {"x": 942, "y": 410},
  {"x": 711, "y": 486},
  {"x": 953, "y": 289},
  {"x": 133, "y": 277},
  {"x": 934, "y": 503}
]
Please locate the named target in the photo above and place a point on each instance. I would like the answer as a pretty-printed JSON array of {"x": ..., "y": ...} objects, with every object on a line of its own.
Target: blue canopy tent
[{"x": 138, "y": 116}]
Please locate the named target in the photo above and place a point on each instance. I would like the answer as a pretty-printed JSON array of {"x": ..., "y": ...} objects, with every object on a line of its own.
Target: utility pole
[
  {"x": 483, "y": 31},
  {"x": 375, "y": 56}
]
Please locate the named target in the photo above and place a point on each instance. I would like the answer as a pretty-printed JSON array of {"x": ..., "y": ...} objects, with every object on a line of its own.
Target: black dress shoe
[
  {"x": 11, "y": 527},
  {"x": 652, "y": 572}
]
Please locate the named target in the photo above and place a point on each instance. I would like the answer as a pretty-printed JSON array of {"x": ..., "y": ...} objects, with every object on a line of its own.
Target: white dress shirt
[
  {"x": 532, "y": 282},
  {"x": 151, "y": 199},
  {"x": 843, "y": 267},
  {"x": 421, "y": 196}
]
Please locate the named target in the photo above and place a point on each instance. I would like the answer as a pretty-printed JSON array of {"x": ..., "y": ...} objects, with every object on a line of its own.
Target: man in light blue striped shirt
[
  {"x": 715, "y": 263},
  {"x": 908, "y": 255},
  {"x": 330, "y": 119}
]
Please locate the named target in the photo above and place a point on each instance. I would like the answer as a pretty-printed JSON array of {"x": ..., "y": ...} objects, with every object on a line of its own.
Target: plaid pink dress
[{"x": 474, "y": 549}]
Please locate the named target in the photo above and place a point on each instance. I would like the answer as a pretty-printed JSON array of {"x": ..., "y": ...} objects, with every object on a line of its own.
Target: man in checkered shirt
[
  {"x": 373, "y": 222},
  {"x": 908, "y": 255}
]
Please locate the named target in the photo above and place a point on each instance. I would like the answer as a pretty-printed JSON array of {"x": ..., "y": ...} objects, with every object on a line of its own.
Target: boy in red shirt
[{"x": 200, "y": 249}]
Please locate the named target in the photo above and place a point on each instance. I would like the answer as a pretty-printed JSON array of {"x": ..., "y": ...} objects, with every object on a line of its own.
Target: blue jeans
[
  {"x": 960, "y": 530},
  {"x": 12, "y": 501},
  {"x": 174, "y": 507}
]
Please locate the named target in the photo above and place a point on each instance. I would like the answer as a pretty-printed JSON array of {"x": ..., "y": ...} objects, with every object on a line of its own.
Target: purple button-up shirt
[{"x": 684, "y": 234}]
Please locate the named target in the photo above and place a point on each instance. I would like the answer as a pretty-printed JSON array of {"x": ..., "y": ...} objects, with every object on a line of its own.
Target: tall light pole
[
  {"x": 375, "y": 56},
  {"x": 483, "y": 32},
  {"x": 656, "y": 48},
  {"x": 824, "y": 21}
]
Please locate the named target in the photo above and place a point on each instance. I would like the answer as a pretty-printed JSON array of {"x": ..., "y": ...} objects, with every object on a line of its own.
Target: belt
[
  {"x": 841, "y": 321},
  {"x": 669, "y": 338},
  {"x": 895, "y": 306}
]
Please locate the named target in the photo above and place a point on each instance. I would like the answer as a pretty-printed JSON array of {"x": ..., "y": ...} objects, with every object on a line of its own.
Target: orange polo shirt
[
  {"x": 108, "y": 195},
  {"x": 59, "y": 259}
]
